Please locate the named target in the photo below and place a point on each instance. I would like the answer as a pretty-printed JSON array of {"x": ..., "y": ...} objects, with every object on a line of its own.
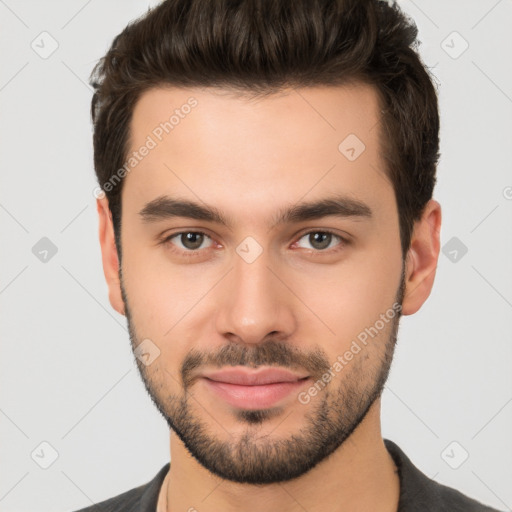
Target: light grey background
[{"x": 67, "y": 372}]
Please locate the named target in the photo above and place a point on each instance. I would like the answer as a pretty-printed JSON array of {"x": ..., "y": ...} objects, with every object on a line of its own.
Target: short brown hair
[{"x": 262, "y": 46}]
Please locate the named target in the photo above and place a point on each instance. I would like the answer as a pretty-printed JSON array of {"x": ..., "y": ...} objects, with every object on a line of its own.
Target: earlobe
[
  {"x": 422, "y": 258},
  {"x": 109, "y": 255}
]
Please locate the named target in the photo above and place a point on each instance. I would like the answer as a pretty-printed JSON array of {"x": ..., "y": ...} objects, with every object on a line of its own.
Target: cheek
[
  {"x": 167, "y": 304},
  {"x": 348, "y": 298}
]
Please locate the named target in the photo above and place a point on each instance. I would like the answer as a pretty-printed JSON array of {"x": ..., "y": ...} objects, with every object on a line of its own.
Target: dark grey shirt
[{"x": 418, "y": 493}]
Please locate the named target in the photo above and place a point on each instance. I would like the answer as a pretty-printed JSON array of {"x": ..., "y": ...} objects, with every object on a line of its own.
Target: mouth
[{"x": 259, "y": 389}]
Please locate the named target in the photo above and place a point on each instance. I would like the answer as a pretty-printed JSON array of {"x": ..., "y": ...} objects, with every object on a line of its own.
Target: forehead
[
  {"x": 308, "y": 114},
  {"x": 212, "y": 145}
]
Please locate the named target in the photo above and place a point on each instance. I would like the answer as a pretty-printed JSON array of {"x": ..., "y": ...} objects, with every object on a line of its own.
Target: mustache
[{"x": 271, "y": 353}]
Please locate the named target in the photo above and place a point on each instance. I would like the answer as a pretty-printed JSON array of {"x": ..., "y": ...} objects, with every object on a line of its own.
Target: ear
[
  {"x": 109, "y": 255},
  {"x": 422, "y": 257}
]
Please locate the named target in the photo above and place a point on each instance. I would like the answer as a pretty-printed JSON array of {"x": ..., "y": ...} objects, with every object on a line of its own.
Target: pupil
[
  {"x": 192, "y": 240},
  {"x": 320, "y": 240}
]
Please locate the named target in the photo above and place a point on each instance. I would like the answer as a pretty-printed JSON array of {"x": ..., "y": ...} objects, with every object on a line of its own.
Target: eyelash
[{"x": 196, "y": 252}]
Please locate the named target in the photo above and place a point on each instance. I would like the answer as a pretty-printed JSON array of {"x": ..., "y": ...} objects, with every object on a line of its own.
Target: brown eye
[
  {"x": 192, "y": 240},
  {"x": 188, "y": 241},
  {"x": 320, "y": 240}
]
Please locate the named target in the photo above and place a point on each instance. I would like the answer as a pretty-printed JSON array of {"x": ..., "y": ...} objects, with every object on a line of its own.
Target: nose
[{"x": 255, "y": 304}]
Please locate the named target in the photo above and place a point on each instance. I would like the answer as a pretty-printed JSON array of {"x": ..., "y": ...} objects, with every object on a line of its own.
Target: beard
[{"x": 332, "y": 415}]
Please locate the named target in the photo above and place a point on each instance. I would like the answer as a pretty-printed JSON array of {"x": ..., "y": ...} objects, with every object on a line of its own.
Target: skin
[{"x": 250, "y": 159}]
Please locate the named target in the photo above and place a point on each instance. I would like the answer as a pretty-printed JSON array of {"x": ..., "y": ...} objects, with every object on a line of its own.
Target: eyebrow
[{"x": 166, "y": 207}]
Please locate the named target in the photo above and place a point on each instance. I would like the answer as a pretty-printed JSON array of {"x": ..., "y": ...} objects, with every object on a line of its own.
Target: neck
[{"x": 359, "y": 476}]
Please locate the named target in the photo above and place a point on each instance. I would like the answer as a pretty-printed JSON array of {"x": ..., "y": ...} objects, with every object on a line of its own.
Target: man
[{"x": 266, "y": 216}]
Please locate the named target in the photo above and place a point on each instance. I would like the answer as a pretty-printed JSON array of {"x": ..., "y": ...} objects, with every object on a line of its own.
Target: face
[{"x": 261, "y": 234}]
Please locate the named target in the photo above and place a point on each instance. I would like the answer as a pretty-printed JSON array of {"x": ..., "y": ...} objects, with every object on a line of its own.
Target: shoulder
[
  {"x": 419, "y": 492},
  {"x": 141, "y": 498},
  {"x": 126, "y": 501}
]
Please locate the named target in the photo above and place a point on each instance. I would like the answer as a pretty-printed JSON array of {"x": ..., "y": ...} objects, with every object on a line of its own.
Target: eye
[
  {"x": 188, "y": 241},
  {"x": 320, "y": 240}
]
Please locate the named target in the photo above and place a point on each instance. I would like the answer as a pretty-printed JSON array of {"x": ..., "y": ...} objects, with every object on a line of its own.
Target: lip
[
  {"x": 253, "y": 389},
  {"x": 246, "y": 377}
]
